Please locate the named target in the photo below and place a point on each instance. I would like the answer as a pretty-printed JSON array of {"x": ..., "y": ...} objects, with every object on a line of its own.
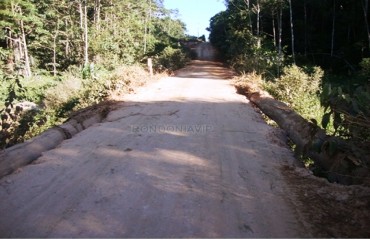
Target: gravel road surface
[{"x": 183, "y": 157}]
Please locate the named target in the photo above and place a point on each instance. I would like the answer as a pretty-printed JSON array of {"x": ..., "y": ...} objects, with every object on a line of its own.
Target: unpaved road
[{"x": 183, "y": 157}]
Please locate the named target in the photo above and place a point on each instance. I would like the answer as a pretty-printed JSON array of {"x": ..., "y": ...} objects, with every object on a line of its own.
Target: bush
[
  {"x": 347, "y": 106},
  {"x": 350, "y": 112},
  {"x": 57, "y": 98},
  {"x": 111, "y": 84},
  {"x": 299, "y": 89},
  {"x": 171, "y": 59},
  {"x": 62, "y": 92},
  {"x": 365, "y": 65},
  {"x": 261, "y": 61}
]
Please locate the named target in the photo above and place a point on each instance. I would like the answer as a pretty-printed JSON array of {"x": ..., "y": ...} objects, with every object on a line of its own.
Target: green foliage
[
  {"x": 258, "y": 36},
  {"x": 49, "y": 36},
  {"x": 57, "y": 95},
  {"x": 295, "y": 81},
  {"x": 171, "y": 59},
  {"x": 17, "y": 122},
  {"x": 119, "y": 32},
  {"x": 10, "y": 113},
  {"x": 239, "y": 46},
  {"x": 350, "y": 112},
  {"x": 262, "y": 61},
  {"x": 365, "y": 65},
  {"x": 299, "y": 88},
  {"x": 60, "y": 97}
]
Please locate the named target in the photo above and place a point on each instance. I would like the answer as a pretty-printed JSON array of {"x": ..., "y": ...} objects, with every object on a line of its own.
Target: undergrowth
[
  {"x": 30, "y": 106},
  {"x": 341, "y": 112},
  {"x": 297, "y": 87}
]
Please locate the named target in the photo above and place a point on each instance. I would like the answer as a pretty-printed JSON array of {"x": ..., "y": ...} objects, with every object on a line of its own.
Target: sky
[{"x": 196, "y": 13}]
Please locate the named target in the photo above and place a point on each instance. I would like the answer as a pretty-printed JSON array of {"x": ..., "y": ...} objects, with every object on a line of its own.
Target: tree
[
  {"x": 292, "y": 28},
  {"x": 365, "y": 7},
  {"x": 333, "y": 30},
  {"x": 20, "y": 21},
  {"x": 83, "y": 9},
  {"x": 53, "y": 35}
]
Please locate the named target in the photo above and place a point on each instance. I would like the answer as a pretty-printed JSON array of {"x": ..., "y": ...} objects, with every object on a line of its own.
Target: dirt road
[{"x": 184, "y": 157}]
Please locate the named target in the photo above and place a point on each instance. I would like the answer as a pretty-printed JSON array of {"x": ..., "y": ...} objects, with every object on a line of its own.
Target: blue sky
[{"x": 196, "y": 13}]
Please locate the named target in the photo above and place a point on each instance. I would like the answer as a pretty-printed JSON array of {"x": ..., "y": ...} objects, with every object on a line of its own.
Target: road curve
[{"x": 185, "y": 157}]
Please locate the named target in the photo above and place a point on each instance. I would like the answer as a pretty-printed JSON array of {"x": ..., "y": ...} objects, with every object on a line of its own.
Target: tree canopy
[
  {"x": 331, "y": 33},
  {"x": 312, "y": 55},
  {"x": 53, "y": 35},
  {"x": 64, "y": 55}
]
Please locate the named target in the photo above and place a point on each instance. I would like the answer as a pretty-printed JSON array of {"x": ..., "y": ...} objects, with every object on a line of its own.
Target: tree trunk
[
  {"x": 81, "y": 14},
  {"x": 20, "y": 46},
  {"x": 146, "y": 20},
  {"x": 22, "y": 154},
  {"x": 10, "y": 45},
  {"x": 113, "y": 20},
  {"x": 247, "y": 3},
  {"x": 27, "y": 64},
  {"x": 292, "y": 28},
  {"x": 258, "y": 11},
  {"x": 86, "y": 40},
  {"x": 273, "y": 28},
  {"x": 341, "y": 167},
  {"x": 333, "y": 30},
  {"x": 305, "y": 27},
  {"x": 97, "y": 10},
  {"x": 150, "y": 17},
  {"x": 280, "y": 26},
  {"x": 17, "y": 52},
  {"x": 365, "y": 7},
  {"x": 55, "y": 52},
  {"x": 66, "y": 41}
]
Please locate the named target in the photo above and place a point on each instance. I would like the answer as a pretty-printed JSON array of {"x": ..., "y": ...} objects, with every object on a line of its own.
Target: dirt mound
[{"x": 335, "y": 211}]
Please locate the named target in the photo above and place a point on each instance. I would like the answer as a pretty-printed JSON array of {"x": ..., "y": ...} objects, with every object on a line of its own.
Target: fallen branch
[{"x": 24, "y": 153}]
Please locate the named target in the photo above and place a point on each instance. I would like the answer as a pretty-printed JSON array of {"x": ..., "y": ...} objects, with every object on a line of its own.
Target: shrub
[
  {"x": 252, "y": 79},
  {"x": 171, "y": 59},
  {"x": 365, "y": 65},
  {"x": 62, "y": 91},
  {"x": 57, "y": 98},
  {"x": 299, "y": 89},
  {"x": 261, "y": 61},
  {"x": 350, "y": 112}
]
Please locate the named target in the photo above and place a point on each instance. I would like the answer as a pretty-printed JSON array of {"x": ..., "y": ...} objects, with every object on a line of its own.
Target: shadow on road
[
  {"x": 184, "y": 158},
  {"x": 153, "y": 169},
  {"x": 205, "y": 69}
]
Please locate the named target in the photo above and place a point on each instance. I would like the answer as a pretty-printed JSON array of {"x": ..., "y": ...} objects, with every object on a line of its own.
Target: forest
[
  {"x": 313, "y": 55},
  {"x": 58, "y": 56}
]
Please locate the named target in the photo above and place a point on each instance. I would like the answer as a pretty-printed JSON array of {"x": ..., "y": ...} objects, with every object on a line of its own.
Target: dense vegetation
[
  {"x": 311, "y": 54},
  {"x": 59, "y": 56}
]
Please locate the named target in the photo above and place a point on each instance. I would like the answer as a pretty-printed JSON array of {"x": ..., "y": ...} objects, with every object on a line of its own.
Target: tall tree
[
  {"x": 257, "y": 10},
  {"x": 333, "y": 29},
  {"x": 86, "y": 32},
  {"x": 52, "y": 34},
  {"x": 20, "y": 20},
  {"x": 292, "y": 28},
  {"x": 365, "y": 7}
]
